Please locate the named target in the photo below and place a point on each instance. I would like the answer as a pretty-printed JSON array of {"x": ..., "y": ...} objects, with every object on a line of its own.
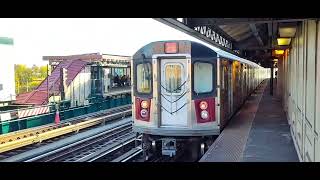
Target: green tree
[
  {"x": 28, "y": 79},
  {"x": 43, "y": 71}
]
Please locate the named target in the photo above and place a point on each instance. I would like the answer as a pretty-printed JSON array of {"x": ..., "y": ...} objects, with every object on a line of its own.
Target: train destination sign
[{"x": 209, "y": 33}]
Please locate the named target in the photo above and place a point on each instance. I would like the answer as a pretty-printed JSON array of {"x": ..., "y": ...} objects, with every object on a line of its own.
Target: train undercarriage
[{"x": 192, "y": 147}]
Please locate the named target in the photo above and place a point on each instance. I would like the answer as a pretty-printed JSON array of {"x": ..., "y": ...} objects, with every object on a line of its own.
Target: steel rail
[
  {"x": 38, "y": 138},
  {"x": 73, "y": 145},
  {"x": 128, "y": 155},
  {"x": 119, "y": 143},
  {"x": 17, "y": 135}
]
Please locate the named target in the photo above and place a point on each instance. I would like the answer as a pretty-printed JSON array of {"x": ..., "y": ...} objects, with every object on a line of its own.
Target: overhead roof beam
[
  {"x": 249, "y": 41},
  {"x": 229, "y": 21},
  {"x": 256, "y": 33},
  {"x": 270, "y": 29},
  {"x": 263, "y": 47},
  {"x": 288, "y": 24},
  {"x": 274, "y": 34},
  {"x": 193, "y": 22},
  {"x": 186, "y": 29},
  {"x": 270, "y": 38}
]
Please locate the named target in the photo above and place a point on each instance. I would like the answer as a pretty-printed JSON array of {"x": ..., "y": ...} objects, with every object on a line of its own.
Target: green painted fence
[{"x": 39, "y": 120}]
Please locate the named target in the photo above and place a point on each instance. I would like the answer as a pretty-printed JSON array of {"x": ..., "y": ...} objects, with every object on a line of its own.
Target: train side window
[
  {"x": 144, "y": 78},
  {"x": 203, "y": 79}
]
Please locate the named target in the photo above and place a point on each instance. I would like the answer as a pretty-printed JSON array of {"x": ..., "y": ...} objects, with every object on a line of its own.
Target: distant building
[
  {"x": 86, "y": 76},
  {"x": 7, "y": 80}
]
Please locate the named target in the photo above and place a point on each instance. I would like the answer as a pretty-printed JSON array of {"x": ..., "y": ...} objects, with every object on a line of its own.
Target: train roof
[
  {"x": 199, "y": 50},
  {"x": 228, "y": 55}
]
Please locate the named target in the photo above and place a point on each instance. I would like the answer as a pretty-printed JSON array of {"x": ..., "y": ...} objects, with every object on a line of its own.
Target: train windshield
[
  {"x": 202, "y": 77},
  {"x": 173, "y": 78},
  {"x": 144, "y": 78}
]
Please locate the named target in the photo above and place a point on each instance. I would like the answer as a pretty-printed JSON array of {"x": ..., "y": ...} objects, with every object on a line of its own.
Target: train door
[
  {"x": 248, "y": 80},
  {"x": 173, "y": 92},
  {"x": 230, "y": 88},
  {"x": 245, "y": 82},
  {"x": 242, "y": 83},
  {"x": 225, "y": 96},
  {"x": 235, "y": 85}
]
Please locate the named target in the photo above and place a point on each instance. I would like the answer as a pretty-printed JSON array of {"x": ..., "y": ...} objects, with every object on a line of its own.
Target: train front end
[{"x": 174, "y": 95}]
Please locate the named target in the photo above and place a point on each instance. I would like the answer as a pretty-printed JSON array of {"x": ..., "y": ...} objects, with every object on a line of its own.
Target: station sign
[
  {"x": 214, "y": 36},
  {"x": 116, "y": 60}
]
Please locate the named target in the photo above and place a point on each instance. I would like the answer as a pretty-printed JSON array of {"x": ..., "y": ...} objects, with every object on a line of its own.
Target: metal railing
[
  {"x": 17, "y": 143},
  {"x": 14, "y": 114}
]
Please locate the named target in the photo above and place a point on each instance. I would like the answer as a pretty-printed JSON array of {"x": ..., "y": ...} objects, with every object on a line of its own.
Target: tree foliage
[{"x": 27, "y": 79}]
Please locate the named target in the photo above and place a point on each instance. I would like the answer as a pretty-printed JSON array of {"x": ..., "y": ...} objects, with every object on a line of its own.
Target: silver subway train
[{"x": 184, "y": 91}]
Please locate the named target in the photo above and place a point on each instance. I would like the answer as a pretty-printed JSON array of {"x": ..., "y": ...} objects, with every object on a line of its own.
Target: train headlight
[
  {"x": 204, "y": 114},
  {"x": 144, "y": 104},
  {"x": 144, "y": 113},
  {"x": 203, "y": 105}
]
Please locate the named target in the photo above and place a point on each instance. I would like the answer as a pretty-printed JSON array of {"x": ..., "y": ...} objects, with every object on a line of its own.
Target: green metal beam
[{"x": 6, "y": 41}]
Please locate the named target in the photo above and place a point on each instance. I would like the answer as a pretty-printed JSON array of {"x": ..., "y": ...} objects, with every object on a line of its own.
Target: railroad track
[
  {"x": 117, "y": 148},
  {"x": 130, "y": 155},
  {"x": 91, "y": 148},
  {"x": 9, "y": 137},
  {"x": 69, "y": 147},
  {"x": 29, "y": 139},
  {"x": 116, "y": 144},
  {"x": 135, "y": 154}
]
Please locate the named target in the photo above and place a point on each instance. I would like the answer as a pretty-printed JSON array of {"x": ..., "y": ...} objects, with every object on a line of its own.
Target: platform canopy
[
  {"x": 251, "y": 38},
  {"x": 104, "y": 59}
]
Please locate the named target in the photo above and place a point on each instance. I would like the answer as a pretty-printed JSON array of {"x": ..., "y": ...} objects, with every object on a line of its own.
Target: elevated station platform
[
  {"x": 259, "y": 132},
  {"x": 118, "y": 90}
]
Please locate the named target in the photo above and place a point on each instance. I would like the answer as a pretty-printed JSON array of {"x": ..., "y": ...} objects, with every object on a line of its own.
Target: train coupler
[{"x": 169, "y": 147}]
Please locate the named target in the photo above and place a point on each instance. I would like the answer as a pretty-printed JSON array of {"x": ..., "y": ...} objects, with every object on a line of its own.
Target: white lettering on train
[{"x": 209, "y": 33}]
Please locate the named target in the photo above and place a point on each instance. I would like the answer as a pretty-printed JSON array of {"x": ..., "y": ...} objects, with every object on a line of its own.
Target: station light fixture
[
  {"x": 275, "y": 60},
  {"x": 287, "y": 31},
  {"x": 279, "y": 52},
  {"x": 180, "y": 19},
  {"x": 284, "y": 41}
]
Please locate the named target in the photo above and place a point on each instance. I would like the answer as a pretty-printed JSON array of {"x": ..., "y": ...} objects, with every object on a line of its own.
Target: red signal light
[
  {"x": 205, "y": 110},
  {"x": 170, "y": 47},
  {"x": 203, "y": 105},
  {"x": 142, "y": 109}
]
